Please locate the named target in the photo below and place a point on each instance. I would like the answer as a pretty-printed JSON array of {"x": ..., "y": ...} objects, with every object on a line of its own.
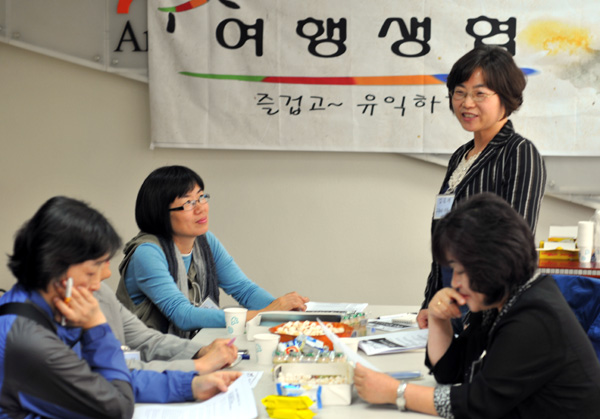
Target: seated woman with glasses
[
  {"x": 485, "y": 87},
  {"x": 173, "y": 269},
  {"x": 524, "y": 353}
]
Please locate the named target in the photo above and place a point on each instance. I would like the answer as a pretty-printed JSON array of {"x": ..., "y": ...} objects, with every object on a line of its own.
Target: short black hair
[
  {"x": 63, "y": 232},
  {"x": 159, "y": 189},
  {"x": 492, "y": 241},
  {"x": 500, "y": 72}
]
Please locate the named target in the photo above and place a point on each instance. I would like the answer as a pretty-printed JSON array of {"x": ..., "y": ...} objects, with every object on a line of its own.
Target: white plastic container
[{"x": 596, "y": 220}]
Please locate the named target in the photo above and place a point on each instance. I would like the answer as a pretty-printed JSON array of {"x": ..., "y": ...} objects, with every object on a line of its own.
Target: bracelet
[{"x": 400, "y": 400}]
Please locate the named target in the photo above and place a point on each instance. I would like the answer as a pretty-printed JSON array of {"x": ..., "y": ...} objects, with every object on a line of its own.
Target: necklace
[{"x": 460, "y": 172}]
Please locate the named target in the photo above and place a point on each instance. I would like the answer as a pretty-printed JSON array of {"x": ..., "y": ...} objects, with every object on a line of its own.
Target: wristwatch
[{"x": 400, "y": 400}]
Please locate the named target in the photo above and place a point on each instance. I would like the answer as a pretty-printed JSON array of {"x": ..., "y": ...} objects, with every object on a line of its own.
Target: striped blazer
[{"x": 509, "y": 166}]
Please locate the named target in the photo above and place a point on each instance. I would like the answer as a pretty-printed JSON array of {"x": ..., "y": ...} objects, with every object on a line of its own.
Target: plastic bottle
[{"x": 596, "y": 220}]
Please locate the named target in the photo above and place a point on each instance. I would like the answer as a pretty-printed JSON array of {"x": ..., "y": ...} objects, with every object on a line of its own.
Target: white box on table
[{"x": 331, "y": 394}]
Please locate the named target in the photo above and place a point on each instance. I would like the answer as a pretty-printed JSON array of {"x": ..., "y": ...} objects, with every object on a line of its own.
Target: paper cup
[
  {"x": 585, "y": 254},
  {"x": 585, "y": 235},
  {"x": 266, "y": 343},
  {"x": 235, "y": 320}
]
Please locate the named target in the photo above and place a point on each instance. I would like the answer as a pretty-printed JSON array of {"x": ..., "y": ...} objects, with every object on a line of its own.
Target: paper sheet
[
  {"x": 253, "y": 377},
  {"x": 238, "y": 402},
  {"x": 394, "y": 342}
]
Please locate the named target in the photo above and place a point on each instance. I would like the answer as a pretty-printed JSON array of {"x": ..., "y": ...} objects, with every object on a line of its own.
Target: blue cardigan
[{"x": 148, "y": 276}]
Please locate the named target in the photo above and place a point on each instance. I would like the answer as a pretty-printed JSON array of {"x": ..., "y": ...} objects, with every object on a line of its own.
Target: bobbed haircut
[
  {"x": 491, "y": 241},
  {"x": 159, "y": 189},
  {"x": 500, "y": 73},
  {"x": 63, "y": 232}
]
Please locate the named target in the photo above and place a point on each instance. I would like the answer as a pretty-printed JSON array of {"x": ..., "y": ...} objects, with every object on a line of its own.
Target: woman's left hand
[
  {"x": 445, "y": 305},
  {"x": 375, "y": 387},
  {"x": 290, "y": 301},
  {"x": 219, "y": 354}
]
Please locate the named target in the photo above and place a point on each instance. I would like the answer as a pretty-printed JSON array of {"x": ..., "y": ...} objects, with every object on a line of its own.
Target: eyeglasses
[
  {"x": 190, "y": 205},
  {"x": 477, "y": 95}
]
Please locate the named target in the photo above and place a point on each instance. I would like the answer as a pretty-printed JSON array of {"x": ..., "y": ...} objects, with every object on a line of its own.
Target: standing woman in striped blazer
[{"x": 485, "y": 86}]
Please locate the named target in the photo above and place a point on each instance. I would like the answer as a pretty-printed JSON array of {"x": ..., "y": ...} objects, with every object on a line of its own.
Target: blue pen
[{"x": 405, "y": 375}]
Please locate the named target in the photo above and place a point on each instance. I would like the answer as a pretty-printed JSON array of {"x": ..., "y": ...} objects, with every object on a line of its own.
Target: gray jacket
[{"x": 158, "y": 351}]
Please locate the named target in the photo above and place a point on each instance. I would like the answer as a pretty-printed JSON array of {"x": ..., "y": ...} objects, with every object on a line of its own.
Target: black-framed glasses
[
  {"x": 477, "y": 95},
  {"x": 190, "y": 205}
]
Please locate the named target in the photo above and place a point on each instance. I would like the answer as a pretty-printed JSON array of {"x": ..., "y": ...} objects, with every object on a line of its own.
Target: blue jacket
[{"x": 73, "y": 373}]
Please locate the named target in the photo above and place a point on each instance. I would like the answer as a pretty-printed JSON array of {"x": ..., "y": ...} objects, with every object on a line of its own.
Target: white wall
[{"x": 333, "y": 226}]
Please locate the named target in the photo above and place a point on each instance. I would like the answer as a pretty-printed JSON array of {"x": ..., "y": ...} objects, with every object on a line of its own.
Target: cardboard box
[
  {"x": 558, "y": 251},
  {"x": 562, "y": 234},
  {"x": 331, "y": 394}
]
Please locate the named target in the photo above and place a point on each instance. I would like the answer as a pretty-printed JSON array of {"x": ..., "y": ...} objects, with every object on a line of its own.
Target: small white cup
[
  {"x": 585, "y": 254},
  {"x": 266, "y": 343},
  {"x": 235, "y": 320}
]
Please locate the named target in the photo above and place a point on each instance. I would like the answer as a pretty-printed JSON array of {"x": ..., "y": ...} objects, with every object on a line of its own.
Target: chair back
[{"x": 583, "y": 295}]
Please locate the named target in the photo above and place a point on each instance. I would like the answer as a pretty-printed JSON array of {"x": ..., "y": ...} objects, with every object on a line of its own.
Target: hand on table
[
  {"x": 289, "y": 301},
  {"x": 215, "y": 356},
  {"x": 375, "y": 387},
  {"x": 206, "y": 386}
]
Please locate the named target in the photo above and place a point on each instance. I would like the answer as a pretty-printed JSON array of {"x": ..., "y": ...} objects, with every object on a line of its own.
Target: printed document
[
  {"x": 389, "y": 343},
  {"x": 238, "y": 402}
]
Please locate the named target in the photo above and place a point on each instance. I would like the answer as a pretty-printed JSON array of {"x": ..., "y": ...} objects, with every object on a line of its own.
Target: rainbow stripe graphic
[
  {"x": 418, "y": 80},
  {"x": 184, "y": 6}
]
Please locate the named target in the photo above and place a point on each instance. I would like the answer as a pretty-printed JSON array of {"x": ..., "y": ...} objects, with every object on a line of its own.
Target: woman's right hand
[{"x": 83, "y": 310}]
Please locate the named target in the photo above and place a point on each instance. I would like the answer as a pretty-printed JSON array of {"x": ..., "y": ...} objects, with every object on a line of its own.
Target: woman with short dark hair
[
  {"x": 73, "y": 369},
  {"x": 485, "y": 86},
  {"x": 524, "y": 354},
  {"x": 174, "y": 268}
]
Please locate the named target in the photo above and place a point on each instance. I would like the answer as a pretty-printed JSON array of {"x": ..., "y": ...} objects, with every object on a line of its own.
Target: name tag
[
  {"x": 209, "y": 303},
  {"x": 443, "y": 205},
  {"x": 132, "y": 355}
]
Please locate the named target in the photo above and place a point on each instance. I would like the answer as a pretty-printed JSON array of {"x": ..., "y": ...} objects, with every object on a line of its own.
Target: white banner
[{"x": 350, "y": 75}]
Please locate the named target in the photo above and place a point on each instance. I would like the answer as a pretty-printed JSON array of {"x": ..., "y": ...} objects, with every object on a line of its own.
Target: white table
[{"x": 412, "y": 360}]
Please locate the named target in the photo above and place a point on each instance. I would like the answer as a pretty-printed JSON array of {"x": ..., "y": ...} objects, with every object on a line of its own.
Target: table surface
[{"x": 411, "y": 360}]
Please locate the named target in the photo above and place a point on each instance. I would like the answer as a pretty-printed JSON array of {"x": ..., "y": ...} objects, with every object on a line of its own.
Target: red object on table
[
  {"x": 564, "y": 267},
  {"x": 346, "y": 333}
]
